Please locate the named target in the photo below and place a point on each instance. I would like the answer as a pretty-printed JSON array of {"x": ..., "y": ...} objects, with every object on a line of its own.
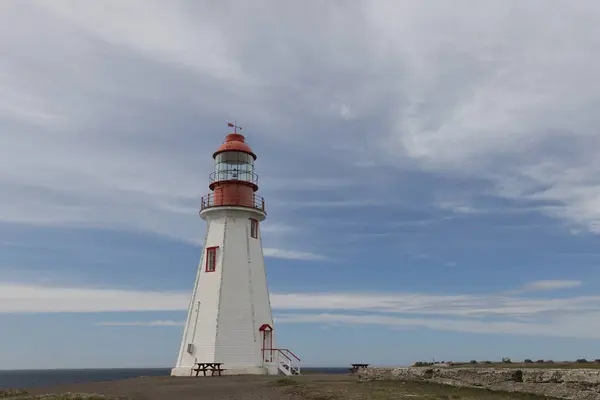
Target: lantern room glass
[{"x": 234, "y": 165}]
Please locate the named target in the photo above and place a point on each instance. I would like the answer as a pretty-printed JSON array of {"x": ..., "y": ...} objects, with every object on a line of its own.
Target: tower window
[
  {"x": 211, "y": 259},
  {"x": 254, "y": 228}
]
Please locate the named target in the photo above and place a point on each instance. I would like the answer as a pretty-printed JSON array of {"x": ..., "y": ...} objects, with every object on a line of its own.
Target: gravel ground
[
  {"x": 307, "y": 387},
  {"x": 201, "y": 388}
]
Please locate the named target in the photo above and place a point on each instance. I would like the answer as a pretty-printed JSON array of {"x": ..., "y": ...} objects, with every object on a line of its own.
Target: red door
[{"x": 267, "y": 347}]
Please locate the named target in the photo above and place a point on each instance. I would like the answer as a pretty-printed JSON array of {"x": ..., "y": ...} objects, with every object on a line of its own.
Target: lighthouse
[{"x": 229, "y": 319}]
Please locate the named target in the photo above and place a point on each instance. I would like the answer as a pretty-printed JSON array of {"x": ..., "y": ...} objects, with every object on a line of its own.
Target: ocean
[{"x": 36, "y": 378}]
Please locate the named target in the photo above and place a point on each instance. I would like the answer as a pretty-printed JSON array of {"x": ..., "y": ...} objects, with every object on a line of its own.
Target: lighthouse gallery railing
[{"x": 210, "y": 200}]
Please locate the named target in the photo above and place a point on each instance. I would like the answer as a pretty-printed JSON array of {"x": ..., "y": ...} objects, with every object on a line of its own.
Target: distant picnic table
[{"x": 211, "y": 367}]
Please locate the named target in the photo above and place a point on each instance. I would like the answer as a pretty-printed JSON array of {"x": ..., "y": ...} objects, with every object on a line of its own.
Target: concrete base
[
  {"x": 181, "y": 371},
  {"x": 186, "y": 371}
]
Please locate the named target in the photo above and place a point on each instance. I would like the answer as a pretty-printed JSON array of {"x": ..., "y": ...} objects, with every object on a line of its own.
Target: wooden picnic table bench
[
  {"x": 211, "y": 367},
  {"x": 355, "y": 367}
]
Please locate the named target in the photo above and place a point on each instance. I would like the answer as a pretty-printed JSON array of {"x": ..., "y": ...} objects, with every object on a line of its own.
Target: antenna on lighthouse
[{"x": 234, "y": 125}]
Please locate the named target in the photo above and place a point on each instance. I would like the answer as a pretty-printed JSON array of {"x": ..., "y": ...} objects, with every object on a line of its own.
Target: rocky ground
[
  {"x": 574, "y": 384},
  {"x": 310, "y": 387}
]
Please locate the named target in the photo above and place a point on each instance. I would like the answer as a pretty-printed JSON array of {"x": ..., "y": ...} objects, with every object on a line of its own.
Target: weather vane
[{"x": 234, "y": 126}]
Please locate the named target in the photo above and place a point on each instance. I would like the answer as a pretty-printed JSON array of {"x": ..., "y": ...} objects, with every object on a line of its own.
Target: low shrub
[{"x": 422, "y": 364}]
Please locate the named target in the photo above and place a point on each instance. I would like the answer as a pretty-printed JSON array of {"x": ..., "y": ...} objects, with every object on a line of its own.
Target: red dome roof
[{"x": 235, "y": 142}]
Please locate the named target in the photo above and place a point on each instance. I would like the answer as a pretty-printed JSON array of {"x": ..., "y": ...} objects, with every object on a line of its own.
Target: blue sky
[{"x": 430, "y": 172}]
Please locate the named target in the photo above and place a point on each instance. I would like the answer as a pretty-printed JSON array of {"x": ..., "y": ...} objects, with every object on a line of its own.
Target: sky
[{"x": 430, "y": 171}]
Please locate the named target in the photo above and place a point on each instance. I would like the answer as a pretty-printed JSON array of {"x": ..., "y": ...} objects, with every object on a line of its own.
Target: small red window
[
  {"x": 254, "y": 228},
  {"x": 211, "y": 259}
]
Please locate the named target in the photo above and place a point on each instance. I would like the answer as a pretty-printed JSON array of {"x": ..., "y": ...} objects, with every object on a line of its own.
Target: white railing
[{"x": 287, "y": 361}]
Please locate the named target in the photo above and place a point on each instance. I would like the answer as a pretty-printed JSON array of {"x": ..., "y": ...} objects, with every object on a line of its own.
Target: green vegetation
[{"x": 388, "y": 390}]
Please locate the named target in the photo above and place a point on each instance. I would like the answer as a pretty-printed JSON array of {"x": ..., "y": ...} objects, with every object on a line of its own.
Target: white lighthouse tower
[{"x": 229, "y": 318}]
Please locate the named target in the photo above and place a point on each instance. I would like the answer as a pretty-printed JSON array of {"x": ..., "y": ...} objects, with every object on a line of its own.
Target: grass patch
[
  {"x": 12, "y": 393},
  {"x": 285, "y": 382},
  {"x": 388, "y": 390}
]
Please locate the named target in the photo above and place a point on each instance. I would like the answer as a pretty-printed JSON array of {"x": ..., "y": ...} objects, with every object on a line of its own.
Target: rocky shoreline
[{"x": 572, "y": 384}]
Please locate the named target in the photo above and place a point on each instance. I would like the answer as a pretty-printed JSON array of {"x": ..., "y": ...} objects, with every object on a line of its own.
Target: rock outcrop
[{"x": 573, "y": 384}]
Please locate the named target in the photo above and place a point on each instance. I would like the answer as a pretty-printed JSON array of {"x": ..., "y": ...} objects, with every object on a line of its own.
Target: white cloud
[
  {"x": 272, "y": 228},
  {"x": 89, "y": 142},
  {"x": 470, "y": 98},
  {"x": 458, "y": 208},
  {"x": 23, "y": 298},
  {"x": 483, "y": 313},
  {"x": 52, "y": 298},
  {"x": 344, "y": 110},
  {"x": 552, "y": 285},
  {"x": 292, "y": 255},
  {"x": 142, "y": 323},
  {"x": 545, "y": 285},
  {"x": 466, "y": 306},
  {"x": 306, "y": 183},
  {"x": 161, "y": 31},
  {"x": 482, "y": 102},
  {"x": 561, "y": 327}
]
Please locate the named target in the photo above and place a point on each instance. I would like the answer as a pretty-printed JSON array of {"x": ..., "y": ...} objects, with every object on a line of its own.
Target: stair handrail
[
  {"x": 291, "y": 352},
  {"x": 285, "y": 350},
  {"x": 292, "y": 364}
]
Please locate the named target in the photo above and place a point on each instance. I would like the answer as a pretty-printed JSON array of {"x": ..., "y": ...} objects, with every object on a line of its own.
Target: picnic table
[
  {"x": 355, "y": 367},
  {"x": 211, "y": 367}
]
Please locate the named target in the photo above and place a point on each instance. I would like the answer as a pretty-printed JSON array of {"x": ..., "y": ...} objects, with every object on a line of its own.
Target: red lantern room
[{"x": 233, "y": 181}]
